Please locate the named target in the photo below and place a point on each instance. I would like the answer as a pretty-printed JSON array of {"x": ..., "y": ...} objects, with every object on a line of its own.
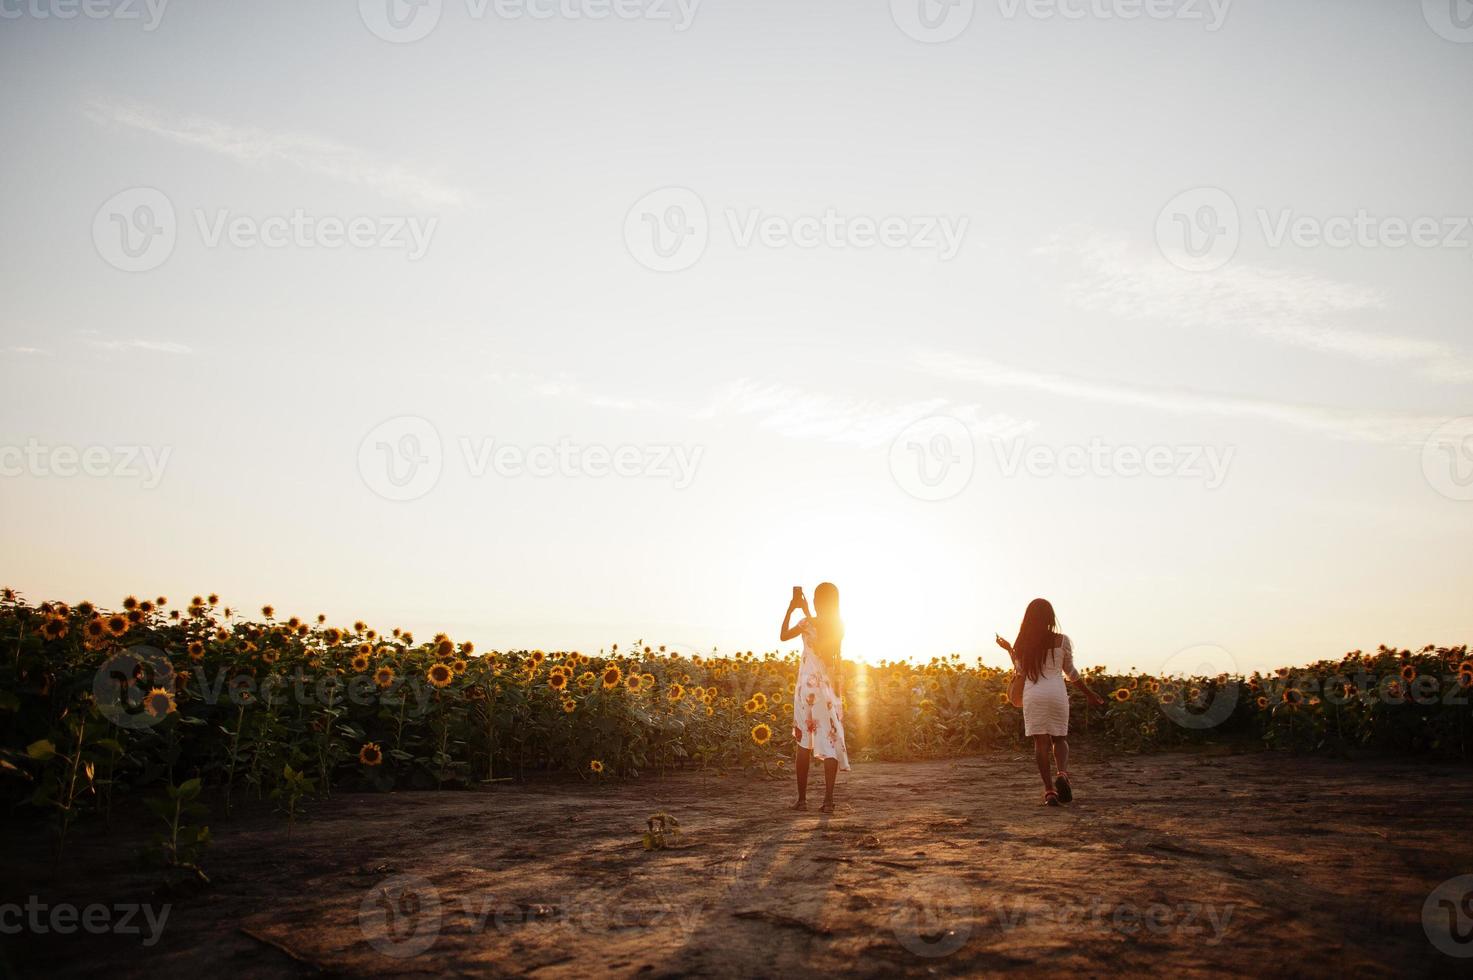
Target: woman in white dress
[
  {"x": 818, "y": 706},
  {"x": 1045, "y": 657}
]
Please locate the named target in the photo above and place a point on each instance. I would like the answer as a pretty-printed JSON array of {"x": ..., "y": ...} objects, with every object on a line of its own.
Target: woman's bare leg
[
  {"x": 1061, "y": 752},
  {"x": 1041, "y": 755},
  {"x": 801, "y": 758},
  {"x": 830, "y": 773}
]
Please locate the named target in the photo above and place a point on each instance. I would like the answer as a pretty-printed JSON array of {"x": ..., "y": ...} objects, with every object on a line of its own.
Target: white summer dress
[
  {"x": 1046, "y": 700},
  {"x": 818, "y": 714}
]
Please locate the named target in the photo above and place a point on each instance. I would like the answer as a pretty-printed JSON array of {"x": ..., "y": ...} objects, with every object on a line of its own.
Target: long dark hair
[
  {"x": 826, "y": 618},
  {"x": 1036, "y": 637}
]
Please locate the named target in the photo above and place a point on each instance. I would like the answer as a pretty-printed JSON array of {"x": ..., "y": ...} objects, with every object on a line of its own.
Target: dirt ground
[{"x": 1174, "y": 865}]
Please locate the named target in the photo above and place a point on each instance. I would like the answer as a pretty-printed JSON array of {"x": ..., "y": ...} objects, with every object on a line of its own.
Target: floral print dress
[{"x": 818, "y": 714}]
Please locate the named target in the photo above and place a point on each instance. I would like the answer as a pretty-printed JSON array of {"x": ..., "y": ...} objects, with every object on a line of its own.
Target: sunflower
[
  {"x": 371, "y": 754},
  {"x": 675, "y": 693},
  {"x": 587, "y": 679},
  {"x": 196, "y": 651},
  {"x": 710, "y": 711},
  {"x": 538, "y": 656},
  {"x": 1292, "y": 695},
  {"x": 130, "y": 603},
  {"x": 360, "y": 663},
  {"x": 458, "y": 667},
  {"x": 117, "y": 624},
  {"x": 269, "y": 656},
  {"x": 612, "y": 676},
  {"x": 649, "y": 679},
  {"x": 1408, "y": 673},
  {"x": 444, "y": 648},
  {"x": 268, "y": 611},
  {"x": 54, "y": 629},
  {"x": 634, "y": 682},
  {"x": 159, "y": 702},
  {"x": 1465, "y": 678},
  {"x": 1002, "y": 697},
  {"x": 384, "y": 676},
  {"x": 595, "y": 767},
  {"x": 95, "y": 629},
  {"x": 761, "y": 734},
  {"x": 333, "y": 635},
  {"x": 440, "y": 675},
  {"x": 1167, "y": 697},
  {"x": 1121, "y": 694},
  {"x": 1261, "y": 701},
  {"x": 569, "y": 706},
  {"x": 760, "y": 700},
  {"x": 557, "y": 681}
]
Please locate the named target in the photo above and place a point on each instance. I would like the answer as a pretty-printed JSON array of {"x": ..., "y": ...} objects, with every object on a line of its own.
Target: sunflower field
[{"x": 178, "y": 703}]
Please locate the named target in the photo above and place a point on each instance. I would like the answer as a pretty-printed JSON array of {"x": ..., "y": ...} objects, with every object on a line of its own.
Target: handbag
[{"x": 1015, "y": 689}]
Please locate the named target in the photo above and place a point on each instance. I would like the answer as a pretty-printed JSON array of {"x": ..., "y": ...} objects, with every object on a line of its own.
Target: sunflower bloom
[
  {"x": 371, "y": 754},
  {"x": 159, "y": 702},
  {"x": 384, "y": 676},
  {"x": 440, "y": 675},
  {"x": 595, "y": 767},
  {"x": 612, "y": 676},
  {"x": 761, "y": 734}
]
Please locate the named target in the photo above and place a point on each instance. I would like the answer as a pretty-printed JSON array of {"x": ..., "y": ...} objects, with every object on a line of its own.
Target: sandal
[
  {"x": 827, "y": 807},
  {"x": 800, "y": 805},
  {"x": 1050, "y": 798},
  {"x": 1066, "y": 792}
]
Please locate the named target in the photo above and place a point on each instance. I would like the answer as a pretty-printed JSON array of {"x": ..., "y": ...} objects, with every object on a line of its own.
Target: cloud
[
  {"x": 1339, "y": 423},
  {"x": 257, "y": 146},
  {"x": 788, "y": 411},
  {"x": 801, "y": 414},
  {"x": 156, "y": 346},
  {"x": 1292, "y": 309},
  {"x": 27, "y": 350}
]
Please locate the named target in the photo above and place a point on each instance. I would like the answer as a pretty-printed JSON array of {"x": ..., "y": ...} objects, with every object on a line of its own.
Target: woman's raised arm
[{"x": 789, "y": 632}]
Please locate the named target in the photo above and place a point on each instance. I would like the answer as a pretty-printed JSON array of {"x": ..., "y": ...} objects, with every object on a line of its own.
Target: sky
[{"x": 565, "y": 324}]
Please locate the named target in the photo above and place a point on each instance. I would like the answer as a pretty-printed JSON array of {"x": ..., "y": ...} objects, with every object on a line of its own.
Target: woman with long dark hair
[
  {"x": 1044, "y": 657},
  {"x": 818, "y": 707}
]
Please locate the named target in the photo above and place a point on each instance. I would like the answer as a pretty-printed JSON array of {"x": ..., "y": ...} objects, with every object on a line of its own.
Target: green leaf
[
  {"x": 41, "y": 750},
  {"x": 189, "y": 789}
]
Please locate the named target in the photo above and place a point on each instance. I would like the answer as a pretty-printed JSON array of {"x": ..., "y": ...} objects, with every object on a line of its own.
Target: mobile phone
[{"x": 797, "y": 593}]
